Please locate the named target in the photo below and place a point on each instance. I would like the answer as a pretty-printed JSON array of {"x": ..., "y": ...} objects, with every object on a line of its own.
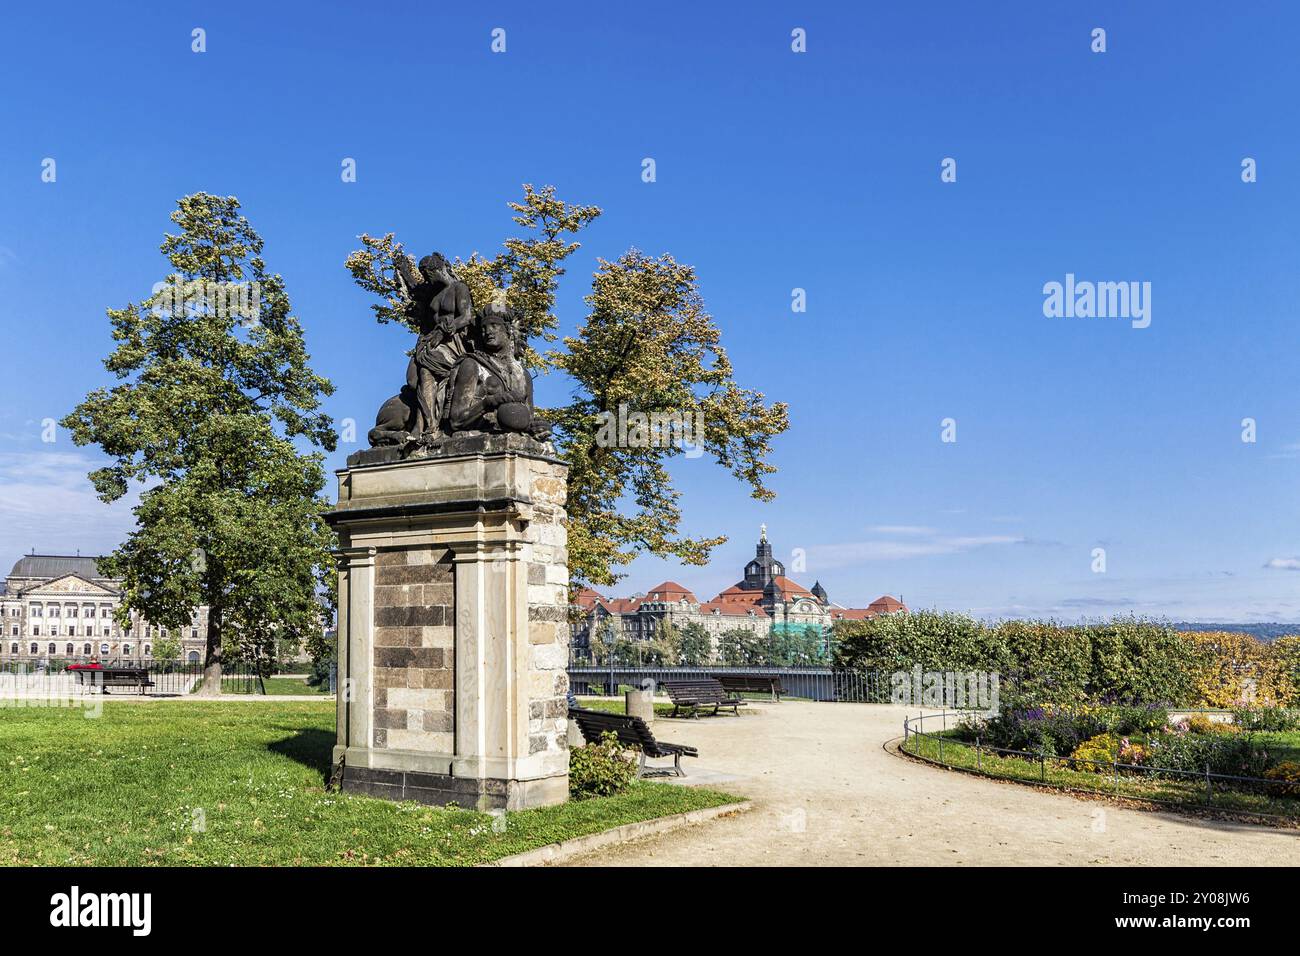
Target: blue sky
[{"x": 775, "y": 170}]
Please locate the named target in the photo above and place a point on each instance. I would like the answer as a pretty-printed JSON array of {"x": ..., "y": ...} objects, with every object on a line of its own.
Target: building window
[
  {"x": 69, "y": 651},
  {"x": 194, "y": 657},
  {"x": 126, "y": 649},
  {"x": 106, "y": 632},
  {"x": 105, "y": 612},
  {"x": 72, "y": 612},
  {"x": 15, "y": 630},
  {"x": 53, "y": 650},
  {"x": 13, "y": 648},
  {"x": 148, "y": 651},
  {"x": 36, "y": 632},
  {"x": 86, "y": 650},
  {"x": 37, "y": 611},
  {"x": 103, "y": 648},
  {"x": 35, "y": 648},
  {"x": 194, "y": 633},
  {"x": 54, "y": 611}
]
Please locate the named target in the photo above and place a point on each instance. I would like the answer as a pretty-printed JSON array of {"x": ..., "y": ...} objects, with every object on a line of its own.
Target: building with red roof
[{"x": 762, "y": 599}]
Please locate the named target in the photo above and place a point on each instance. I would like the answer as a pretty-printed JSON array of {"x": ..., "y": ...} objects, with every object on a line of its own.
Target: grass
[
  {"x": 1286, "y": 745},
  {"x": 286, "y": 686},
  {"x": 1187, "y": 792},
  {"x": 182, "y": 783}
]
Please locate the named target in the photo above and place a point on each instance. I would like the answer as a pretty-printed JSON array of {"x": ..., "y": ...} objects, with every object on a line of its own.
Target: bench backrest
[
  {"x": 704, "y": 689},
  {"x": 752, "y": 682},
  {"x": 631, "y": 731}
]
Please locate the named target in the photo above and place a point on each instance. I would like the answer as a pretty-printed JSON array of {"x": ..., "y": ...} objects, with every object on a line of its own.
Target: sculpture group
[{"x": 465, "y": 376}]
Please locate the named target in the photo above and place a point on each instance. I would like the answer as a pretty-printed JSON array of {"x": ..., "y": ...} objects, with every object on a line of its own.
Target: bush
[
  {"x": 1134, "y": 720},
  {"x": 1232, "y": 754},
  {"x": 1126, "y": 661},
  {"x": 1289, "y": 772},
  {"x": 319, "y": 674},
  {"x": 1266, "y": 719},
  {"x": 1096, "y": 754},
  {"x": 1201, "y": 724},
  {"x": 600, "y": 770}
]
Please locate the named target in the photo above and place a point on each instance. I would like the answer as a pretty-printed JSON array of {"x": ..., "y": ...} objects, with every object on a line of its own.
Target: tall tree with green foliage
[
  {"x": 739, "y": 646},
  {"x": 217, "y": 412},
  {"x": 646, "y": 345},
  {"x": 696, "y": 645}
]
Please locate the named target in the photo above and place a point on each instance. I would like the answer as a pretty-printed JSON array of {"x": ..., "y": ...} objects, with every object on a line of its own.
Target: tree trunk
[{"x": 212, "y": 666}]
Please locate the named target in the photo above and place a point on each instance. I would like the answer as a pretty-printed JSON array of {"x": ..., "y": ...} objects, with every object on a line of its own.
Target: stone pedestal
[{"x": 453, "y": 632}]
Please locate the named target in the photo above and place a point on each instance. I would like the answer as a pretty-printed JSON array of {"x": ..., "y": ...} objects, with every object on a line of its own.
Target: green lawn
[
  {"x": 1285, "y": 744},
  {"x": 1180, "y": 790},
  {"x": 189, "y": 783},
  {"x": 286, "y": 686}
]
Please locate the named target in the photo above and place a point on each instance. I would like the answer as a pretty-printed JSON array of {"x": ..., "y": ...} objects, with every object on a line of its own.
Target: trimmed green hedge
[{"x": 1126, "y": 660}]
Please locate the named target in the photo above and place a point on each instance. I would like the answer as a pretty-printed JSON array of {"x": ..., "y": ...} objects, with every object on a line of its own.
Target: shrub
[
  {"x": 1231, "y": 754},
  {"x": 1289, "y": 772},
  {"x": 1233, "y": 669},
  {"x": 1134, "y": 720},
  {"x": 1096, "y": 754},
  {"x": 1266, "y": 719},
  {"x": 600, "y": 770},
  {"x": 1201, "y": 724},
  {"x": 1047, "y": 730}
]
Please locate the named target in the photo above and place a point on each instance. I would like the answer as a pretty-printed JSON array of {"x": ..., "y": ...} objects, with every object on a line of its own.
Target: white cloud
[
  {"x": 47, "y": 503},
  {"x": 1284, "y": 564},
  {"x": 919, "y": 543}
]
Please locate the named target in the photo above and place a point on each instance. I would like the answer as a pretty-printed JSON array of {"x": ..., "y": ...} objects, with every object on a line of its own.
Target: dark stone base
[
  {"x": 467, "y": 443},
  {"x": 440, "y": 790}
]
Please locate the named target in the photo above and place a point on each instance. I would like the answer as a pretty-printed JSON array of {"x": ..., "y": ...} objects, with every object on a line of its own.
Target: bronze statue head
[{"x": 436, "y": 269}]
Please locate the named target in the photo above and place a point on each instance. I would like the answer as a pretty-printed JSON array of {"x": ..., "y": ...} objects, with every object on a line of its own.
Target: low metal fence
[
  {"x": 1216, "y": 785},
  {"x": 58, "y": 678},
  {"x": 809, "y": 683}
]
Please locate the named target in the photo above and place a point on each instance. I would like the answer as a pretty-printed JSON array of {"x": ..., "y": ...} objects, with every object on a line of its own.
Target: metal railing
[
  {"x": 1114, "y": 770},
  {"x": 55, "y": 678},
  {"x": 809, "y": 683}
]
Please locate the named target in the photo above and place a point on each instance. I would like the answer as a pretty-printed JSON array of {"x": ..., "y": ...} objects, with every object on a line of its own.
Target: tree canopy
[
  {"x": 209, "y": 412},
  {"x": 648, "y": 346}
]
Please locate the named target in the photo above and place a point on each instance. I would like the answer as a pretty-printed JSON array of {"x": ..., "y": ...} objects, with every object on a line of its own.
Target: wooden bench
[
  {"x": 751, "y": 683},
  {"x": 699, "y": 692},
  {"x": 632, "y": 732},
  {"x": 106, "y": 677}
]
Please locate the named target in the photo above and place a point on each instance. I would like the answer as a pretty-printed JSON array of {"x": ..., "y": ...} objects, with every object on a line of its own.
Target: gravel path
[{"x": 827, "y": 793}]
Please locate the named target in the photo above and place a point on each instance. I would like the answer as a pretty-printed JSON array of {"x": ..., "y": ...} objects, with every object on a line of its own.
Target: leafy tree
[
  {"x": 209, "y": 411},
  {"x": 666, "y": 648},
  {"x": 740, "y": 646},
  {"x": 696, "y": 645},
  {"x": 602, "y": 640},
  {"x": 648, "y": 345},
  {"x": 167, "y": 648}
]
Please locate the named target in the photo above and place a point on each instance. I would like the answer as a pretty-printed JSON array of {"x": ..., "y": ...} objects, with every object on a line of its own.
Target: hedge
[{"x": 1124, "y": 660}]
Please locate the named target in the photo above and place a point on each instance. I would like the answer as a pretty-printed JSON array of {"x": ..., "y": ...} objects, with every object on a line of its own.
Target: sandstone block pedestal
[{"x": 453, "y": 633}]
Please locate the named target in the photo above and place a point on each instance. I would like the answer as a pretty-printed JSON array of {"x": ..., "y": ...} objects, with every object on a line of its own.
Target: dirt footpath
[{"x": 827, "y": 793}]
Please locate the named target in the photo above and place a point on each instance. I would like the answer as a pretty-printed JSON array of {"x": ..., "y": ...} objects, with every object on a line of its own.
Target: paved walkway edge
[{"x": 554, "y": 852}]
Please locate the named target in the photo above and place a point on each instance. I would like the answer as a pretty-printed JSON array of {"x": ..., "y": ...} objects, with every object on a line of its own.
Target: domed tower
[
  {"x": 819, "y": 592},
  {"x": 760, "y": 572}
]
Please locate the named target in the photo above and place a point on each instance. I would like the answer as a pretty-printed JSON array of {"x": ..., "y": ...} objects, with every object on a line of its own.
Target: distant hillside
[{"x": 1265, "y": 632}]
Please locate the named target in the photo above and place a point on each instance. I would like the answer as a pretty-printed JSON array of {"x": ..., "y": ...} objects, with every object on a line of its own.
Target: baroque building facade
[
  {"x": 61, "y": 607},
  {"x": 763, "y": 599}
]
